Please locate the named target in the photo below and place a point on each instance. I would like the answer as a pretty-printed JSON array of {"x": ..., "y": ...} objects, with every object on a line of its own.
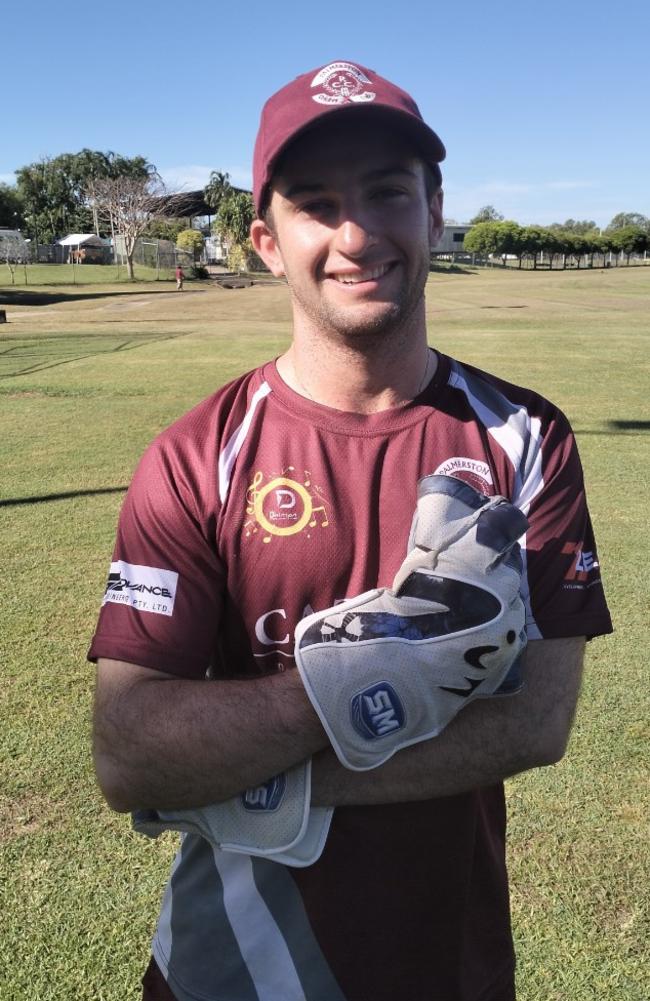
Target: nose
[{"x": 355, "y": 236}]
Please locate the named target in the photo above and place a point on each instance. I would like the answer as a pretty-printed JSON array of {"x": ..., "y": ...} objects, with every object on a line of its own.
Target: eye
[
  {"x": 389, "y": 192},
  {"x": 317, "y": 207}
]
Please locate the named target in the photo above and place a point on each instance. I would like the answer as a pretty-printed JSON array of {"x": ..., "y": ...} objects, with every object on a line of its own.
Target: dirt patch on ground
[{"x": 26, "y": 815}]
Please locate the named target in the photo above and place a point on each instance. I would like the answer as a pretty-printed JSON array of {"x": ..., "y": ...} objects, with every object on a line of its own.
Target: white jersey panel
[
  {"x": 519, "y": 436},
  {"x": 233, "y": 445},
  {"x": 262, "y": 945}
]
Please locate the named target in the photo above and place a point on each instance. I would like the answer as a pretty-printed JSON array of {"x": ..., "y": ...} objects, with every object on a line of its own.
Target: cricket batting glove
[
  {"x": 273, "y": 820},
  {"x": 390, "y": 668}
]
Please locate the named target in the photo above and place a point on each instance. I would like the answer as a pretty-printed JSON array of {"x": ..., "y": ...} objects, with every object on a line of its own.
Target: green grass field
[{"x": 88, "y": 375}]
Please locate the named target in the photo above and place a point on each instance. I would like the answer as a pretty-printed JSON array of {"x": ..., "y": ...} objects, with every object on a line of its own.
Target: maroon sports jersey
[{"x": 256, "y": 508}]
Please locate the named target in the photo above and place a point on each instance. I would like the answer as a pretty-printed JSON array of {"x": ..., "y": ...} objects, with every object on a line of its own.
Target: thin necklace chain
[
  {"x": 299, "y": 380},
  {"x": 420, "y": 388}
]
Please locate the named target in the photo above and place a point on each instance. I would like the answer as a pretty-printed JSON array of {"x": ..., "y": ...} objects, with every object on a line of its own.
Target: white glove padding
[
  {"x": 310, "y": 847},
  {"x": 390, "y": 668},
  {"x": 273, "y": 820},
  {"x": 423, "y": 528}
]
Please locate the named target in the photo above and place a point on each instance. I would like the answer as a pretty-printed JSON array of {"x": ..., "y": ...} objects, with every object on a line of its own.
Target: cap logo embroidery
[{"x": 342, "y": 83}]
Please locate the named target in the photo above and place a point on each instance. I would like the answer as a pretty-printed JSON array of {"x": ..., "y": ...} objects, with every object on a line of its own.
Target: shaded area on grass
[
  {"x": 631, "y": 425},
  {"x": 452, "y": 269},
  {"x": 29, "y": 355},
  {"x": 31, "y": 298},
  {"x": 624, "y": 427},
  {"x": 67, "y": 495}
]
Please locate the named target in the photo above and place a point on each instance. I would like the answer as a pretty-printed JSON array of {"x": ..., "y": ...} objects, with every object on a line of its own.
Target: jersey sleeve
[
  {"x": 164, "y": 594},
  {"x": 565, "y": 590}
]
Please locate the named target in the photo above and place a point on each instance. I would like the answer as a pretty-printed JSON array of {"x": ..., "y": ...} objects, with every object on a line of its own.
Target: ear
[
  {"x": 265, "y": 245},
  {"x": 436, "y": 220}
]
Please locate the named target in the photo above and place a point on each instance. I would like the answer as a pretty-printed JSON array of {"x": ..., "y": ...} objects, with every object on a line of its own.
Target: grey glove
[
  {"x": 390, "y": 668},
  {"x": 273, "y": 820}
]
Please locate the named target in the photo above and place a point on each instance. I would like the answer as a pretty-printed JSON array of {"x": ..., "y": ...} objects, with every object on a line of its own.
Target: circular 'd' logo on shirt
[{"x": 282, "y": 507}]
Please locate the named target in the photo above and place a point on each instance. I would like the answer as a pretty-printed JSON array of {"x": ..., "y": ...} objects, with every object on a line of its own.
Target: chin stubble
[{"x": 337, "y": 322}]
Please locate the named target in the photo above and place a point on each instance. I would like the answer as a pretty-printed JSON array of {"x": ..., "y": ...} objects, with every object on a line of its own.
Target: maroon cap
[{"x": 337, "y": 87}]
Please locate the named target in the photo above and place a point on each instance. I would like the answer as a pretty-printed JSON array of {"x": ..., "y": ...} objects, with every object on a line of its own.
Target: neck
[{"x": 341, "y": 376}]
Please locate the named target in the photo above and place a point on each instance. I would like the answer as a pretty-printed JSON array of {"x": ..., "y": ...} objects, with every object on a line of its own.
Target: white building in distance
[{"x": 451, "y": 241}]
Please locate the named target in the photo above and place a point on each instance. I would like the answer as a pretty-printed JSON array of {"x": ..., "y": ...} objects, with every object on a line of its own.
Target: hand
[
  {"x": 274, "y": 820},
  {"x": 390, "y": 668}
]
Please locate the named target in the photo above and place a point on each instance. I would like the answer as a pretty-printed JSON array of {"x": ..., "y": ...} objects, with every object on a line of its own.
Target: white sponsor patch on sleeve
[{"x": 147, "y": 589}]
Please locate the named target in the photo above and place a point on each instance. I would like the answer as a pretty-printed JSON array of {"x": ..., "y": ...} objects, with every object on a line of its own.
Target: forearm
[
  {"x": 489, "y": 741},
  {"x": 167, "y": 743},
  {"x": 477, "y": 749}
]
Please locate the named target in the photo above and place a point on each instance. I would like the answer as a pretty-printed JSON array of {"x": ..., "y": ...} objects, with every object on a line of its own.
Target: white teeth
[{"x": 362, "y": 276}]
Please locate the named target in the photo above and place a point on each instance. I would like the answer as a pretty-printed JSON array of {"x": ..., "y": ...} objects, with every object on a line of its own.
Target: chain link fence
[
  {"x": 23, "y": 262},
  {"x": 161, "y": 255}
]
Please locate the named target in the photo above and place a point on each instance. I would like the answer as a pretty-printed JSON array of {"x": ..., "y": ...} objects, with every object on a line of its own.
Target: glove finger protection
[
  {"x": 450, "y": 518},
  {"x": 390, "y": 668},
  {"x": 273, "y": 820},
  {"x": 500, "y": 525}
]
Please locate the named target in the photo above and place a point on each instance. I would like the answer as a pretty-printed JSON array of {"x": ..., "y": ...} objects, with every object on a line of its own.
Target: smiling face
[{"x": 351, "y": 226}]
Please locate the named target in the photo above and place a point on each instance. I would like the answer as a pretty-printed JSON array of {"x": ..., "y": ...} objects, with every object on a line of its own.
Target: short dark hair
[{"x": 432, "y": 178}]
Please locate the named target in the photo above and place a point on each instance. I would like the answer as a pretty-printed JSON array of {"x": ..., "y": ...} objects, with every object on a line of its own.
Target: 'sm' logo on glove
[
  {"x": 377, "y": 711},
  {"x": 265, "y": 797}
]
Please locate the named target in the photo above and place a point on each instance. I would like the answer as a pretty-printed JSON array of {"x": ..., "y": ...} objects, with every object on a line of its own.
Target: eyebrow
[
  {"x": 302, "y": 188},
  {"x": 398, "y": 168},
  {"x": 308, "y": 188}
]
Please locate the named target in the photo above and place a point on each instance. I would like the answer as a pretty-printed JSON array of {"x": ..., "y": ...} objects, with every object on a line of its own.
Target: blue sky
[{"x": 543, "y": 107}]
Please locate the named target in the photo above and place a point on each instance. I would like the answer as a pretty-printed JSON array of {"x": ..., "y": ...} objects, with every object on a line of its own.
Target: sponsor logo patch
[
  {"x": 266, "y": 797},
  {"x": 342, "y": 83},
  {"x": 284, "y": 506},
  {"x": 377, "y": 711},
  {"x": 147, "y": 589},
  {"x": 583, "y": 563},
  {"x": 473, "y": 471}
]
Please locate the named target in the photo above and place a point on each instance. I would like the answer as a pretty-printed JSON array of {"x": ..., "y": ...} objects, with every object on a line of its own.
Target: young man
[{"x": 292, "y": 489}]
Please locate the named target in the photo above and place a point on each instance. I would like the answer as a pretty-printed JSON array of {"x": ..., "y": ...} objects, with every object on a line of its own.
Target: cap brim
[{"x": 426, "y": 143}]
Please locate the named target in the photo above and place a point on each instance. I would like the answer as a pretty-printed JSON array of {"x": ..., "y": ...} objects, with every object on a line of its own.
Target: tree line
[
  {"x": 112, "y": 195},
  {"x": 53, "y": 196},
  {"x": 87, "y": 192},
  {"x": 493, "y": 236}
]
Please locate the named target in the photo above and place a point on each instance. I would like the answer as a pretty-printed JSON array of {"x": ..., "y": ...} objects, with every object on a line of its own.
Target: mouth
[{"x": 359, "y": 277}]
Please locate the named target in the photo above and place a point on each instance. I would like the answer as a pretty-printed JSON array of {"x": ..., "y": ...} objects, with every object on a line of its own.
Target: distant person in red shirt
[
  {"x": 255, "y": 532},
  {"x": 179, "y": 278}
]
